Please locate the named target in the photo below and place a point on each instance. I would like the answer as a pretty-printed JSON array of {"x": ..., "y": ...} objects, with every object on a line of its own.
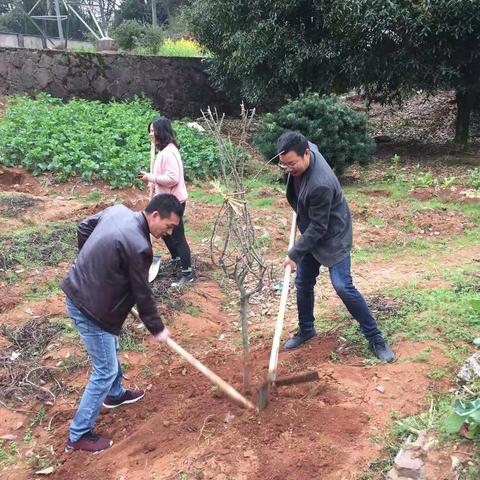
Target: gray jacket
[
  {"x": 110, "y": 274},
  {"x": 323, "y": 216}
]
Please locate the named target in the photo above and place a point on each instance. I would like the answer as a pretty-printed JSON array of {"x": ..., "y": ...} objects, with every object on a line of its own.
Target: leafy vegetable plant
[
  {"x": 464, "y": 412},
  {"x": 93, "y": 140}
]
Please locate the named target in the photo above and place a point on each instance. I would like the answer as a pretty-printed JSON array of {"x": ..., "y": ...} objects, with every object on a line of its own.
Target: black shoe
[
  {"x": 381, "y": 349},
  {"x": 299, "y": 339},
  {"x": 186, "y": 277}
]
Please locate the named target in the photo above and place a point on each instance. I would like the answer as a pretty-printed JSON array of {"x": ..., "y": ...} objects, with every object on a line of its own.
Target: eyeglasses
[{"x": 287, "y": 166}]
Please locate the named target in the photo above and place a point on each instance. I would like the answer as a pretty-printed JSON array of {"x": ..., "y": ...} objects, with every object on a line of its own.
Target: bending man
[{"x": 110, "y": 276}]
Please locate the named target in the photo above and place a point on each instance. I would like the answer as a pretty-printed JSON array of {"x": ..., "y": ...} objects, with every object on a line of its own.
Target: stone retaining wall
[{"x": 177, "y": 86}]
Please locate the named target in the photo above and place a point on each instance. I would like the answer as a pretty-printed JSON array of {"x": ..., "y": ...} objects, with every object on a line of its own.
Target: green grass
[
  {"x": 84, "y": 49},
  {"x": 92, "y": 197},
  {"x": 199, "y": 235},
  {"x": 263, "y": 202},
  {"x": 13, "y": 205},
  {"x": 421, "y": 357},
  {"x": 28, "y": 435},
  {"x": 193, "y": 310},
  {"x": 398, "y": 192},
  {"x": 254, "y": 197},
  {"x": 376, "y": 222},
  {"x": 131, "y": 338},
  {"x": 417, "y": 247},
  {"x": 47, "y": 290},
  {"x": 68, "y": 331},
  {"x": 9, "y": 453},
  {"x": 442, "y": 314},
  {"x": 447, "y": 315},
  {"x": 38, "y": 246},
  {"x": 204, "y": 197},
  {"x": 72, "y": 362},
  {"x": 402, "y": 428},
  {"x": 39, "y": 416}
]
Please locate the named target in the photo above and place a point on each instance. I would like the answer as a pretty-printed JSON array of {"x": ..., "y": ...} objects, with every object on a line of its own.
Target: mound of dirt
[{"x": 456, "y": 194}]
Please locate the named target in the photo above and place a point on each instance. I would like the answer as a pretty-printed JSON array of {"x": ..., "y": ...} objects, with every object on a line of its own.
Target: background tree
[
  {"x": 141, "y": 10},
  {"x": 6, "y": 6},
  {"x": 11, "y": 18},
  {"x": 265, "y": 49},
  {"x": 275, "y": 49},
  {"x": 396, "y": 47}
]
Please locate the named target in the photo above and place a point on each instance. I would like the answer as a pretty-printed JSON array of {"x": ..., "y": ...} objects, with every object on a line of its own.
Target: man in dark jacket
[
  {"x": 324, "y": 220},
  {"x": 110, "y": 276}
]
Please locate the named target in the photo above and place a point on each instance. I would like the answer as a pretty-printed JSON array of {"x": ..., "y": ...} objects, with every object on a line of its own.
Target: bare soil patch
[
  {"x": 376, "y": 224},
  {"x": 458, "y": 194},
  {"x": 320, "y": 430}
]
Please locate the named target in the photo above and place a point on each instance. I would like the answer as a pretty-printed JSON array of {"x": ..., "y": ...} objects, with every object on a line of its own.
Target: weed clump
[
  {"x": 12, "y": 205},
  {"x": 31, "y": 248}
]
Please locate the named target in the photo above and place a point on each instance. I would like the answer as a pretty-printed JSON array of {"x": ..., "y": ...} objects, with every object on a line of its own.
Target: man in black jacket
[
  {"x": 324, "y": 220},
  {"x": 110, "y": 276}
]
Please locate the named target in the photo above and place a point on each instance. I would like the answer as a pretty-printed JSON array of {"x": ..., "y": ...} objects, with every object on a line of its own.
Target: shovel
[
  {"x": 155, "y": 266},
  {"x": 214, "y": 378},
  {"x": 264, "y": 391}
]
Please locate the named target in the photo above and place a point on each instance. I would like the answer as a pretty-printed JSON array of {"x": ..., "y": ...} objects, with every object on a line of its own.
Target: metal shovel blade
[
  {"x": 154, "y": 268},
  {"x": 264, "y": 390},
  {"x": 263, "y": 394}
]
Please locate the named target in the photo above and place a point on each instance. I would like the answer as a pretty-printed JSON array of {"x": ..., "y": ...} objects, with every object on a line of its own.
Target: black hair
[
  {"x": 163, "y": 131},
  {"x": 290, "y": 140},
  {"x": 165, "y": 204}
]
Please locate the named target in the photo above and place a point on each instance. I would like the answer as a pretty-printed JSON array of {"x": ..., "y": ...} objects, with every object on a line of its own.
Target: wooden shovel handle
[
  {"x": 272, "y": 367},
  {"x": 214, "y": 378},
  {"x": 150, "y": 186},
  {"x": 222, "y": 385},
  {"x": 152, "y": 162}
]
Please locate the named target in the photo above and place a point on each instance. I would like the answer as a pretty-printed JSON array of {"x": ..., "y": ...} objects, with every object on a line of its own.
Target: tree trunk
[
  {"x": 244, "y": 320},
  {"x": 154, "y": 13},
  {"x": 465, "y": 101}
]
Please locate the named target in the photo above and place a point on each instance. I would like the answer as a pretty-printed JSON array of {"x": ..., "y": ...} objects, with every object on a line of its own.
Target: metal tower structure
[{"x": 75, "y": 7}]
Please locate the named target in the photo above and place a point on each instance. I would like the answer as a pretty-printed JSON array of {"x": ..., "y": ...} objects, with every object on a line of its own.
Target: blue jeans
[
  {"x": 106, "y": 377},
  {"x": 307, "y": 273}
]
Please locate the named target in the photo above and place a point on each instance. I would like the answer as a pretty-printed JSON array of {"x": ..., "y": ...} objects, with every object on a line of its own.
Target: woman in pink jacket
[{"x": 167, "y": 177}]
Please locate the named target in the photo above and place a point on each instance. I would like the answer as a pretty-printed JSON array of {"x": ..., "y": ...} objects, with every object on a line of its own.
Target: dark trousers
[
  {"x": 307, "y": 273},
  {"x": 177, "y": 244}
]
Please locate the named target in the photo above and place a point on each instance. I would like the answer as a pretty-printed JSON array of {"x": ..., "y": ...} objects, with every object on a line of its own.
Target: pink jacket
[{"x": 168, "y": 174}]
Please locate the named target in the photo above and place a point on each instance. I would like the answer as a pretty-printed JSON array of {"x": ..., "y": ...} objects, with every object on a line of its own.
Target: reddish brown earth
[
  {"x": 458, "y": 193},
  {"x": 319, "y": 430},
  {"x": 182, "y": 429}
]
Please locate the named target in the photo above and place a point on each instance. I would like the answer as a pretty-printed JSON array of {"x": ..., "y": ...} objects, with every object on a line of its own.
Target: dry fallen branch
[{"x": 22, "y": 378}]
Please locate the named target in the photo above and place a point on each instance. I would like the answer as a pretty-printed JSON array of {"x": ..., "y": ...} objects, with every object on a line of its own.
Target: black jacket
[
  {"x": 323, "y": 216},
  {"x": 110, "y": 274}
]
